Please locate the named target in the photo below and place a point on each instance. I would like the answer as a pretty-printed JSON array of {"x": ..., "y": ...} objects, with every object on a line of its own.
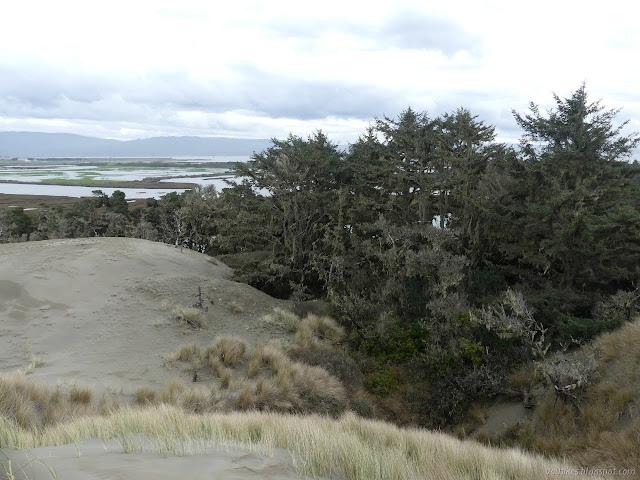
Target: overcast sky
[{"x": 138, "y": 69}]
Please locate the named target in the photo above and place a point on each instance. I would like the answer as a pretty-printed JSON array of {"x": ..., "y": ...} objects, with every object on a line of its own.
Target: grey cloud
[
  {"x": 419, "y": 31},
  {"x": 159, "y": 100},
  {"x": 44, "y": 93},
  {"x": 405, "y": 29}
]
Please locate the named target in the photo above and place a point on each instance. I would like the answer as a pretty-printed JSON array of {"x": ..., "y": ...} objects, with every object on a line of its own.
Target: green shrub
[
  {"x": 382, "y": 382},
  {"x": 362, "y": 407}
]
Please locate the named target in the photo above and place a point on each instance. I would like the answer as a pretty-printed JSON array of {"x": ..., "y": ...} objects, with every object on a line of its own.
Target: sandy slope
[{"x": 91, "y": 308}]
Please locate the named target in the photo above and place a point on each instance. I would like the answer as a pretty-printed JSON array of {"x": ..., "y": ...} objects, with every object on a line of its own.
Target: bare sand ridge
[{"x": 92, "y": 310}]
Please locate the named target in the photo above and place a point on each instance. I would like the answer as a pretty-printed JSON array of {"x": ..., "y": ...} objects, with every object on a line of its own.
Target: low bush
[
  {"x": 337, "y": 362},
  {"x": 382, "y": 381},
  {"x": 362, "y": 407}
]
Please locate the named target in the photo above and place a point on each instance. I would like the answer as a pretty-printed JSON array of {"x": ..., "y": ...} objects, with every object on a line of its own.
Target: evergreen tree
[{"x": 575, "y": 232}]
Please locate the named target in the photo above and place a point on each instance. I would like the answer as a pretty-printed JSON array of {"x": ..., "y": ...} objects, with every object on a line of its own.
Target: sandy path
[{"x": 91, "y": 309}]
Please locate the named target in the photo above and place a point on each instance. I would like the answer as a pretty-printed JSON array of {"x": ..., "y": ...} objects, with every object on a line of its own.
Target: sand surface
[
  {"x": 97, "y": 460},
  {"x": 96, "y": 311}
]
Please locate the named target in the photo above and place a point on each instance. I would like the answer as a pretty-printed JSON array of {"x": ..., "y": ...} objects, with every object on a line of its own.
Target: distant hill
[{"x": 35, "y": 144}]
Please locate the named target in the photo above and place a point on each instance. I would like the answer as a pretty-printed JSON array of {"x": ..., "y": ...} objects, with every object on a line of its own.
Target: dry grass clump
[
  {"x": 315, "y": 344},
  {"x": 315, "y": 390},
  {"x": 145, "y": 395},
  {"x": 525, "y": 377},
  {"x": 246, "y": 395},
  {"x": 316, "y": 332},
  {"x": 188, "y": 353},
  {"x": 349, "y": 447},
  {"x": 190, "y": 316},
  {"x": 35, "y": 361},
  {"x": 235, "y": 307},
  {"x": 215, "y": 364},
  {"x": 601, "y": 425},
  {"x": 278, "y": 381},
  {"x": 171, "y": 393},
  {"x": 283, "y": 318},
  {"x": 197, "y": 399},
  {"x": 293, "y": 385},
  {"x": 622, "y": 346},
  {"x": 32, "y": 405},
  {"x": 272, "y": 395},
  {"x": 229, "y": 350},
  {"x": 80, "y": 395},
  {"x": 225, "y": 377},
  {"x": 270, "y": 356}
]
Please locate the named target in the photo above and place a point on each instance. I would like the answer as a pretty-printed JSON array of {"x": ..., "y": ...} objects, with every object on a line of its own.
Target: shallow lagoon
[
  {"x": 82, "y": 169},
  {"x": 78, "y": 191}
]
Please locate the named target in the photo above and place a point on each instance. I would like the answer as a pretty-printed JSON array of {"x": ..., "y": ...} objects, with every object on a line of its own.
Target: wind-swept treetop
[{"x": 576, "y": 133}]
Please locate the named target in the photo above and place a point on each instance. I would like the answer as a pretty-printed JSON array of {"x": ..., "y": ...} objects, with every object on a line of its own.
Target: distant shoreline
[{"x": 141, "y": 184}]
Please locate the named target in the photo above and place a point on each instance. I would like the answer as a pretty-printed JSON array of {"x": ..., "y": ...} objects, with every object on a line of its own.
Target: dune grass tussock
[
  {"x": 322, "y": 328},
  {"x": 80, "y": 395},
  {"x": 230, "y": 350},
  {"x": 235, "y": 307},
  {"x": 282, "y": 318},
  {"x": 349, "y": 447},
  {"x": 269, "y": 356},
  {"x": 188, "y": 316},
  {"x": 33, "y": 405},
  {"x": 273, "y": 380},
  {"x": 188, "y": 353},
  {"x": 145, "y": 395}
]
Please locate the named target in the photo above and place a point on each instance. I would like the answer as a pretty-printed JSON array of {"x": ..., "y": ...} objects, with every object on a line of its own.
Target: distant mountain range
[{"x": 35, "y": 144}]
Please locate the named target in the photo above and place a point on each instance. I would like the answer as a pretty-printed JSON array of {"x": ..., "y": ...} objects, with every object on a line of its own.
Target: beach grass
[{"x": 349, "y": 447}]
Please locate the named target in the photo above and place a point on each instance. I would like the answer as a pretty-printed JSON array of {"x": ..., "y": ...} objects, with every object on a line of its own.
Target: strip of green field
[{"x": 85, "y": 182}]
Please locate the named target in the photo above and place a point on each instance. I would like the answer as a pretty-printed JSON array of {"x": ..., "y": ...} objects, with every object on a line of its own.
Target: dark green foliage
[
  {"x": 322, "y": 404},
  {"x": 118, "y": 203},
  {"x": 101, "y": 198},
  {"x": 575, "y": 228},
  {"x": 382, "y": 381},
  {"x": 303, "y": 179},
  {"x": 362, "y": 407},
  {"x": 19, "y": 221},
  {"x": 337, "y": 362}
]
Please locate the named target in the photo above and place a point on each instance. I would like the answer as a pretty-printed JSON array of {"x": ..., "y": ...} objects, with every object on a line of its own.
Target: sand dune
[{"x": 92, "y": 311}]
